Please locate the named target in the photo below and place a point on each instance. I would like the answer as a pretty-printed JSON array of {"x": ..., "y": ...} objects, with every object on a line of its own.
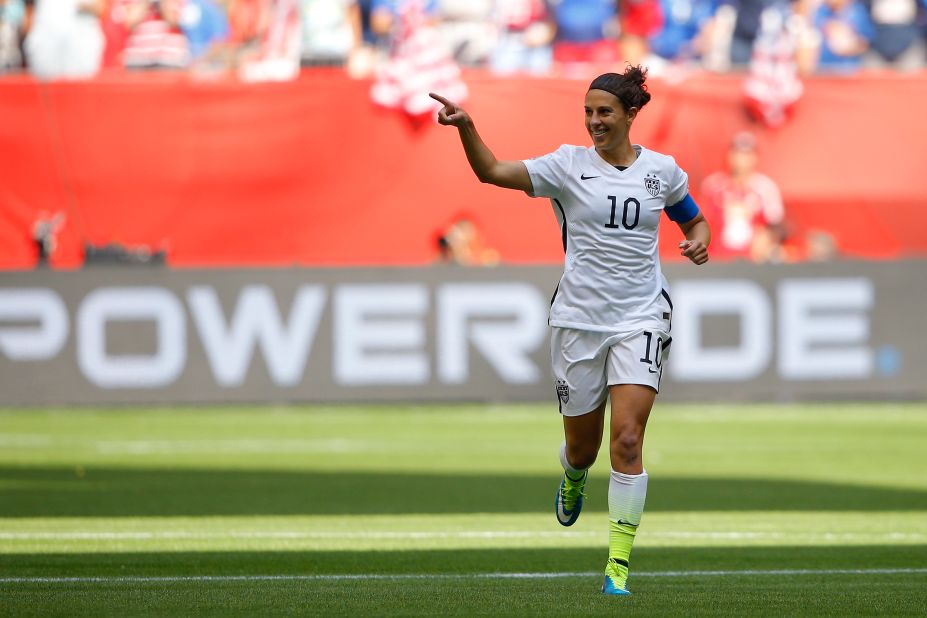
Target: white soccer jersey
[{"x": 612, "y": 280}]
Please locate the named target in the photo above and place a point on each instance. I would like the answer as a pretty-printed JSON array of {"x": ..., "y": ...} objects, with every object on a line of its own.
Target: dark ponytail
[{"x": 629, "y": 87}]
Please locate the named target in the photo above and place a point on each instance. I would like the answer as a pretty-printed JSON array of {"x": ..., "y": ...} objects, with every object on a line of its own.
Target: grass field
[{"x": 752, "y": 510}]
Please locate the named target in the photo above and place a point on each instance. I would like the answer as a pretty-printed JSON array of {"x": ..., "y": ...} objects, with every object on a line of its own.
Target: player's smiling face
[{"x": 606, "y": 120}]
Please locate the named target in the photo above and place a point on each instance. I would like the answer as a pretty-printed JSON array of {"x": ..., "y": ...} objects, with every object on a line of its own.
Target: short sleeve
[
  {"x": 678, "y": 186},
  {"x": 549, "y": 172}
]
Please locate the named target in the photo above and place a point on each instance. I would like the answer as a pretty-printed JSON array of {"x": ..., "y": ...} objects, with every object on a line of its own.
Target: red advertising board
[{"x": 310, "y": 172}]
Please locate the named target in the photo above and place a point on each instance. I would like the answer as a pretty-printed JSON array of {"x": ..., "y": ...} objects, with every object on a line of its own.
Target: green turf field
[{"x": 752, "y": 510}]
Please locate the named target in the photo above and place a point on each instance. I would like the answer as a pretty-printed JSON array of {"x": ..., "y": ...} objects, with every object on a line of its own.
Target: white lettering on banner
[
  {"x": 824, "y": 328},
  {"x": 379, "y": 334},
  {"x": 131, "y": 304},
  {"x": 507, "y": 345},
  {"x": 691, "y": 360},
  {"x": 32, "y": 343},
  {"x": 255, "y": 322}
]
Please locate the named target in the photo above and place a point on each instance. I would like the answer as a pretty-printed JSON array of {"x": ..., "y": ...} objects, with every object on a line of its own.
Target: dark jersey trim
[
  {"x": 563, "y": 226},
  {"x": 666, "y": 296}
]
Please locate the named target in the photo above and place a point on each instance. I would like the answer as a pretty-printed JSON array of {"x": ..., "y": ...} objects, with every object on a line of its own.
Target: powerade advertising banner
[{"x": 740, "y": 332}]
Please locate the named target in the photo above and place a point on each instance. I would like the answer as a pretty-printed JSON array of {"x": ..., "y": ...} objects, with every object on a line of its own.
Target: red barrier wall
[{"x": 310, "y": 172}]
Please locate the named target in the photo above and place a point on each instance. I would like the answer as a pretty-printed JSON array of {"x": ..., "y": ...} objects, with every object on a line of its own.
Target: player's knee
[
  {"x": 626, "y": 445},
  {"x": 581, "y": 456}
]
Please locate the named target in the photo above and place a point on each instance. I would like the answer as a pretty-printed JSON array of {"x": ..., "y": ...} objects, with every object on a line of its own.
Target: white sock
[
  {"x": 574, "y": 473},
  {"x": 626, "y": 496}
]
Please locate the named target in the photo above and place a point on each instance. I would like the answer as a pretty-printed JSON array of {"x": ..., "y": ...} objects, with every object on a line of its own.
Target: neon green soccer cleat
[
  {"x": 569, "y": 501},
  {"x": 616, "y": 577}
]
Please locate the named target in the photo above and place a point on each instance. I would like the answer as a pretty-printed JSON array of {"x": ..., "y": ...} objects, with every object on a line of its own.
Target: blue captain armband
[{"x": 684, "y": 211}]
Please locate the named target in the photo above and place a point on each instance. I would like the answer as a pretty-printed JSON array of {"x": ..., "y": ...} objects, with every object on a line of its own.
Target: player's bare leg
[
  {"x": 583, "y": 438},
  {"x": 627, "y": 490},
  {"x": 583, "y": 435}
]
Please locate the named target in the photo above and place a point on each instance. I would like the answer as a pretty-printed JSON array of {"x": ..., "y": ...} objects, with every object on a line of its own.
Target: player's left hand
[{"x": 695, "y": 250}]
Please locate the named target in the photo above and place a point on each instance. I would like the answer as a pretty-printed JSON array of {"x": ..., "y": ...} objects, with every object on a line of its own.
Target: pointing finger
[{"x": 441, "y": 100}]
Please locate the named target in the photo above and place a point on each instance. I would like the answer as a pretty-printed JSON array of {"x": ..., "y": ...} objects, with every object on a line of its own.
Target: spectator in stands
[
  {"x": 640, "y": 20},
  {"x": 388, "y": 31},
  {"x": 12, "y": 30},
  {"x": 821, "y": 246},
  {"x": 773, "y": 86},
  {"x": 331, "y": 31},
  {"x": 275, "y": 56},
  {"x": 896, "y": 30},
  {"x": 385, "y": 15},
  {"x": 373, "y": 45},
  {"x": 464, "y": 245},
  {"x": 846, "y": 31},
  {"x": 371, "y": 49},
  {"x": 248, "y": 21},
  {"x": 206, "y": 26},
  {"x": 65, "y": 40},
  {"x": 525, "y": 33},
  {"x": 682, "y": 36},
  {"x": 587, "y": 32},
  {"x": 44, "y": 236},
  {"x": 419, "y": 61},
  {"x": 745, "y": 206},
  {"x": 117, "y": 21},
  {"x": 467, "y": 28},
  {"x": 746, "y": 27},
  {"x": 371, "y": 38},
  {"x": 156, "y": 40}
]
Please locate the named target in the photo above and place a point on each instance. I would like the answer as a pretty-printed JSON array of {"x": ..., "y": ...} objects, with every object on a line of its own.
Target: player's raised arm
[{"x": 507, "y": 174}]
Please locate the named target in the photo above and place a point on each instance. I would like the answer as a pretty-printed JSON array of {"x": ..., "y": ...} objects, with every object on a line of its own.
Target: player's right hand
[
  {"x": 695, "y": 250},
  {"x": 451, "y": 114}
]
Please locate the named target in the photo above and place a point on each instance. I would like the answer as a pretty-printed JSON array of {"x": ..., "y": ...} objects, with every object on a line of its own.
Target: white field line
[
  {"x": 141, "y": 579},
  {"x": 416, "y": 535},
  {"x": 385, "y": 535}
]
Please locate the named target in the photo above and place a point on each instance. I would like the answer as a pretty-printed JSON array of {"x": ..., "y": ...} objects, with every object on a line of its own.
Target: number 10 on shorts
[{"x": 653, "y": 352}]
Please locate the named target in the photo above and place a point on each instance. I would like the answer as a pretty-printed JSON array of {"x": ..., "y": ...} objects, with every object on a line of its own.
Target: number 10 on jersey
[{"x": 625, "y": 223}]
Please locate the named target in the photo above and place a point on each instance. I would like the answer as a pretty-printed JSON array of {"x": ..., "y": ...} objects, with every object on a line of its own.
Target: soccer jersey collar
[{"x": 605, "y": 165}]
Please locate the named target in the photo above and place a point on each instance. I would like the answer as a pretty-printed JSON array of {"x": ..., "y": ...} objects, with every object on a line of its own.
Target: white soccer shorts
[{"x": 586, "y": 363}]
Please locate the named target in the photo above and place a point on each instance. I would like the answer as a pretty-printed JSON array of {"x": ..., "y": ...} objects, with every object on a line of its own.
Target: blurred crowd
[{"x": 271, "y": 39}]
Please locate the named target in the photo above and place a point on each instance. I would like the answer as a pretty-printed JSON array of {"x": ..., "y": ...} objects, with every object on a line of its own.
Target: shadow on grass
[
  {"x": 108, "y": 492},
  {"x": 554, "y": 560}
]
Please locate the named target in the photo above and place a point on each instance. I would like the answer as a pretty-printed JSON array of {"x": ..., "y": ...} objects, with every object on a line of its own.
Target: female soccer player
[{"x": 611, "y": 314}]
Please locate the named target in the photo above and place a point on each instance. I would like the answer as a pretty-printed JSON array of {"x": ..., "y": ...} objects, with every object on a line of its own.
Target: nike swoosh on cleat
[
  {"x": 584, "y": 177},
  {"x": 561, "y": 511}
]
